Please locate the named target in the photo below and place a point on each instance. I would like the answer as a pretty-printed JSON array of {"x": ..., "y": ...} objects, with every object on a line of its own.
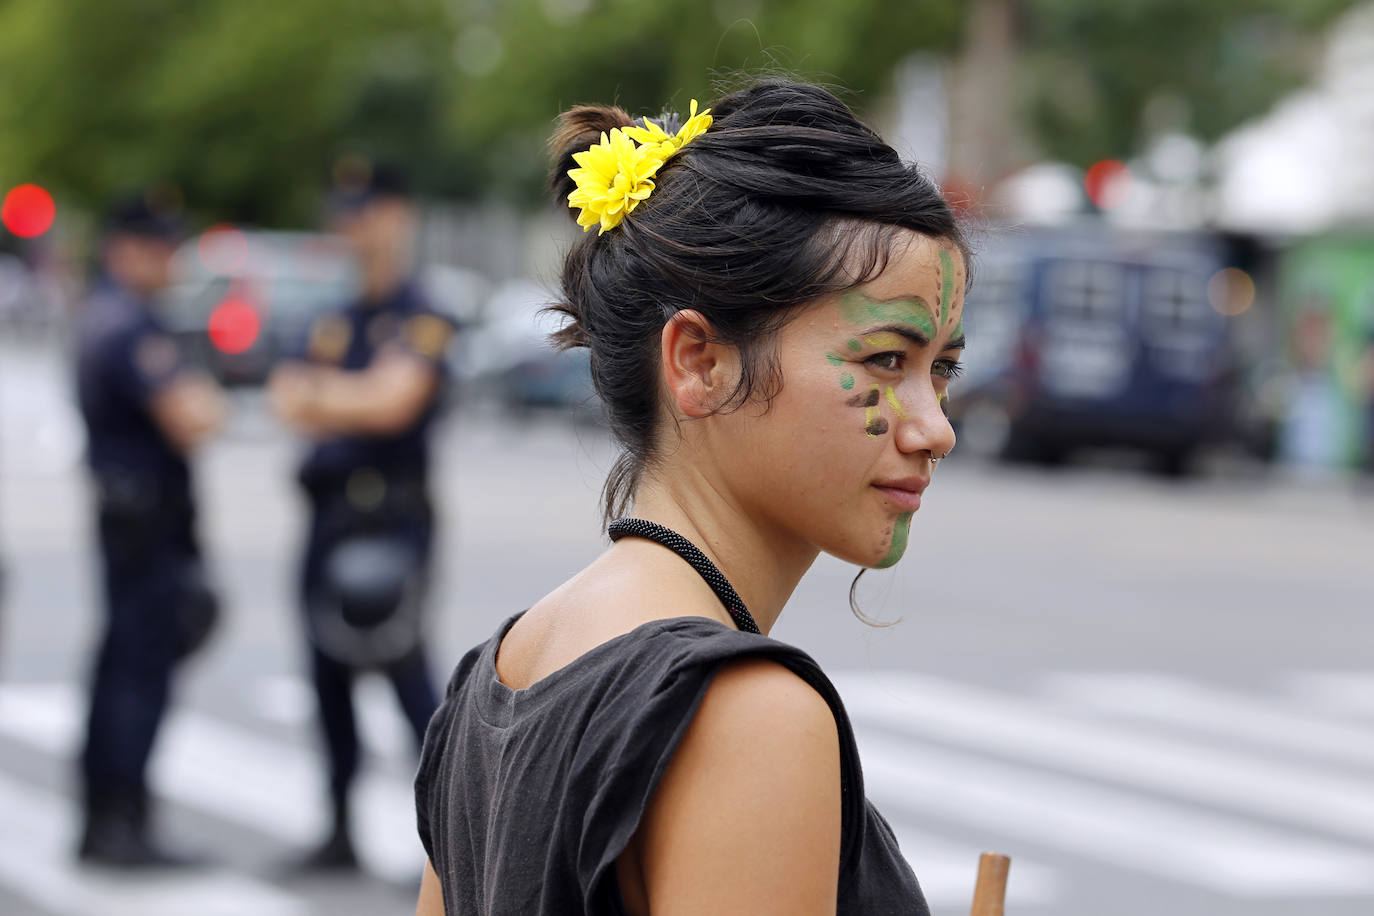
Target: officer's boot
[
  {"x": 336, "y": 853},
  {"x": 116, "y": 834}
]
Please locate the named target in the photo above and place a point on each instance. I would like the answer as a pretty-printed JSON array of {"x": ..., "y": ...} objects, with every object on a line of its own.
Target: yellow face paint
[
  {"x": 896, "y": 404},
  {"x": 886, "y": 340}
]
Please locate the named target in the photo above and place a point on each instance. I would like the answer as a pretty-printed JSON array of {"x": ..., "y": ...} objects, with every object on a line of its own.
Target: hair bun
[{"x": 578, "y": 128}]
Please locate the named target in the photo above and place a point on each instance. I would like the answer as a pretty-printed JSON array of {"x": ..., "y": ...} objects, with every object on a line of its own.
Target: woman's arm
[
  {"x": 747, "y": 817},
  {"x": 431, "y": 902}
]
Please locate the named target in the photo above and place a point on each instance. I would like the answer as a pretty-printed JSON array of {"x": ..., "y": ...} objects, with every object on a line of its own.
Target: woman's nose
[{"x": 925, "y": 426}]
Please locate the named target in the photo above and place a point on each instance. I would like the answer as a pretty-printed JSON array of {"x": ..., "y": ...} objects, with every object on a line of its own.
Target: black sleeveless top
[{"x": 526, "y": 798}]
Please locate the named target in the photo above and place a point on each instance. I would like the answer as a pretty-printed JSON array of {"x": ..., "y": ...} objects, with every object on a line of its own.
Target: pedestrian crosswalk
[
  {"x": 1245, "y": 794},
  {"x": 36, "y": 839}
]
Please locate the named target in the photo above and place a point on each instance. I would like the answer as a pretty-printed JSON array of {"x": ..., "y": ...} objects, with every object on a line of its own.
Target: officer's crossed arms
[
  {"x": 383, "y": 399},
  {"x": 184, "y": 403}
]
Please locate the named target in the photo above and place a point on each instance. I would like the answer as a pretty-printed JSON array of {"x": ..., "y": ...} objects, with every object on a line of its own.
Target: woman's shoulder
[
  {"x": 760, "y": 762},
  {"x": 653, "y": 677},
  {"x": 763, "y": 709},
  {"x": 700, "y": 651}
]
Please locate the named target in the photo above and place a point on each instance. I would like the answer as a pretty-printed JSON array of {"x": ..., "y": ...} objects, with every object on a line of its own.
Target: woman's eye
[
  {"x": 947, "y": 368},
  {"x": 891, "y": 361}
]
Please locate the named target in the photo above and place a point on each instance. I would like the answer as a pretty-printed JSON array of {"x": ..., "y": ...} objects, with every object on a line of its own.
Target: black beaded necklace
[{"x": 639, "y": 528}]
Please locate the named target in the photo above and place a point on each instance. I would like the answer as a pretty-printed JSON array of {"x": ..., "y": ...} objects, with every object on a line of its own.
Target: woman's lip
[{"x": 906, "y": 500}]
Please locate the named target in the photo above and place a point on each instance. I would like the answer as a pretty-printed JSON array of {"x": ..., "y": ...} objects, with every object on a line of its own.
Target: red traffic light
[
  {"x": 28, "y": 211},
  {"x": 234, "y": 326},
  {"x": 1107, "y": 183}
]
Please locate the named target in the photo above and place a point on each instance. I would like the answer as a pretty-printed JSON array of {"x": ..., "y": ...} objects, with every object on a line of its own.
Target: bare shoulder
[
  {"x": 767, "y": 706},
  {"x": 747, "y": 817}
]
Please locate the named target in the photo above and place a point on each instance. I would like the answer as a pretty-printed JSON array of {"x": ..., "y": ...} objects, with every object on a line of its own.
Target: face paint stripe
[
  {"x": 896, "y": 404},
  {"x": 859, "y": 309},
  {"x": 886, "y": 341},
  {"x": 874, "y": 425},
  {"x": 946, "y": 284},
  {"x": 900, "y": 530},
  {"x": 867, "y": 399}
]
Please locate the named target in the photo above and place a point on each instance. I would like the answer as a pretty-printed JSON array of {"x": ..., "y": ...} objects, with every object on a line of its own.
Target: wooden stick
[{"x": 990, "y": 892}]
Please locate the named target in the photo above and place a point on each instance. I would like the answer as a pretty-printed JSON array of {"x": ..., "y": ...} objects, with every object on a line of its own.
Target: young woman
[{"x": 772, "y": 301}]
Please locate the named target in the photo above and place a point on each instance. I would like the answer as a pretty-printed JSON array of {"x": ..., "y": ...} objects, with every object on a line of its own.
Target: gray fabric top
[{"x": 526, "y": 798}]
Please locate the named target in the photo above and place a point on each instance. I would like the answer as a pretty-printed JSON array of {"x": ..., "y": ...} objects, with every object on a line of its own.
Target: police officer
[
  {"x": 146, "y": 408},
  {"x": 366, "y": 391}
]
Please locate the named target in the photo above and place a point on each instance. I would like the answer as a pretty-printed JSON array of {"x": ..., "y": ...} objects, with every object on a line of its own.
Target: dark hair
[{"x": 788, "y": 197}]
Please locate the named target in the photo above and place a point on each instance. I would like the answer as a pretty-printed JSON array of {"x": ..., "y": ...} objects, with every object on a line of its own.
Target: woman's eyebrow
[
  {"x": 902, "y": 330},
  {"x": 957, "y": 343}
]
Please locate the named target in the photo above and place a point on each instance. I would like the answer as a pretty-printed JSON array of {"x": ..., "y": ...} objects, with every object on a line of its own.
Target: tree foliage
[
  {"x": 244, "y": 104},
  {"x": 1102, "y": 76}
]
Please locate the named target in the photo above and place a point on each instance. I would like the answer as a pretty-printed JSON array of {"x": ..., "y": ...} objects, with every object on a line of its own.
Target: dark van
[{"x": 1095, "y": 338}]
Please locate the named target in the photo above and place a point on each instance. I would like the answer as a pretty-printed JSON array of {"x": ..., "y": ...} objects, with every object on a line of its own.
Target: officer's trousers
[
  {"x": 144, "y": 562},
  {"x": 333, "y": 679}
]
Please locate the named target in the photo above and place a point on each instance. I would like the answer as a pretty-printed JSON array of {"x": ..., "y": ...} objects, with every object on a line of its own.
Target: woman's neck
[{"x": 762, "y": 563}]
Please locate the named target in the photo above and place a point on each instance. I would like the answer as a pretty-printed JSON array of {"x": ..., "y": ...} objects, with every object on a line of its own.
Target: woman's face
[{"x": 841, "y": 455}]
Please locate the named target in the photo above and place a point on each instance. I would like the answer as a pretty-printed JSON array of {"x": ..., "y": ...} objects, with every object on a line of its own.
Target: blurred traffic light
[
  {"x": 234, "y": 326},
  {"x": 28, "y": 211},
  {"x": 1107, "y": 183}
]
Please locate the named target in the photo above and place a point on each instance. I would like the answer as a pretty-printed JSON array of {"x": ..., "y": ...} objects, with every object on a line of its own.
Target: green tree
[
  {"x": 240, "y": 103},
  {"x": 244, "y": 104},
  {"x": 1092, "y": 69}
]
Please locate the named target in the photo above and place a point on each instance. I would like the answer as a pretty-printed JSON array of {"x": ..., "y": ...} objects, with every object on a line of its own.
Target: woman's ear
[{"x": 699, "y": 374}]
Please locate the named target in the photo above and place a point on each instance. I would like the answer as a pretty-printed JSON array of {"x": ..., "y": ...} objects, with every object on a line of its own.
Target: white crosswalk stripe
[
  {"x": 36, "y": 843},
  {"x": 1344, "y": 692},
  {"x": 237, "y": 775},
  {"x": 1169, "y": 778},
  {"x": 1132, "y": 832},
  {"x": 1177, "y": 701},
  {"x": 983, "y": 720}
]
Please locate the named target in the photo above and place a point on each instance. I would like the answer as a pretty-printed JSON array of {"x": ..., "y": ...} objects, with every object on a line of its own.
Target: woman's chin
[{"x": 870, "y": 555}]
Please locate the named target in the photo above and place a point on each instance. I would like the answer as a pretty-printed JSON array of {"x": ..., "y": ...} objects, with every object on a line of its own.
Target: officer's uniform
[
  {"x": 369, "y": 489},
  {"x": 152, "y": 575}
]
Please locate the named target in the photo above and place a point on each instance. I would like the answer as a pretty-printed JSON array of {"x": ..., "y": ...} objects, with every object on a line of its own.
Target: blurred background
[{"x": 1134, "y": 648}]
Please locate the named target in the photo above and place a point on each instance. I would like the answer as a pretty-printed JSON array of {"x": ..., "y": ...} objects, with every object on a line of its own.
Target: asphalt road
[{"x": 1155, "y": 697}]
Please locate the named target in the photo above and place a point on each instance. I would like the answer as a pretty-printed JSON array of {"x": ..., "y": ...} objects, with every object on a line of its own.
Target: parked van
[{"x": 1087, "y": 338}]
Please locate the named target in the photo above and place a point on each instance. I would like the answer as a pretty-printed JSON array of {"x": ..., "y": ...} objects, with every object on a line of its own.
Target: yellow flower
[
  {"x": 649, "y": 134},
  {"x": 696, "y": 126},
  {"x": 652, "y": 133},
  {"x": 614, "y": 176},
  {"x": 617, "y": 173}
]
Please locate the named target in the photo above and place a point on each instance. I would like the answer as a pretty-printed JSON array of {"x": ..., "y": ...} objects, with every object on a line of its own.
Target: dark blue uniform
[
  {"x": 146, "y": 523},
  {"x": 369, "y": 486}
]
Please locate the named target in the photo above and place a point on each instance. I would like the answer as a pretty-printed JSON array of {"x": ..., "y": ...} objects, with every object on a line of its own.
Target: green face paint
[
  {"x": 846, "y": 381},
  {"x": 946, "y": 284},
  {"x": 900, "y": 529},
  {"x": 854, "y": 346},
  {"x": 859, "y": 309},
  {"x": 834, "y": 359}
]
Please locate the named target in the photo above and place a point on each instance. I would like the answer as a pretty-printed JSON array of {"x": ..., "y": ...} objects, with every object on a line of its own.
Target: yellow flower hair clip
[{"x": 618, "y": 172}]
